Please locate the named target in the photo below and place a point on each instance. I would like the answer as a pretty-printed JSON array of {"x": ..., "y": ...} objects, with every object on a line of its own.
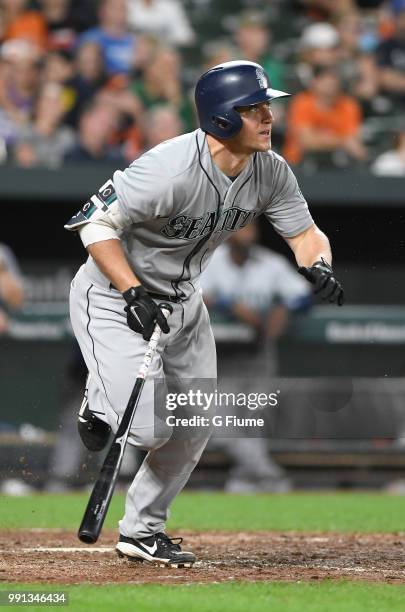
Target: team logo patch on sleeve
[
  {"x": 107, "y": 193},
  {"x": 95, "y": 207}
]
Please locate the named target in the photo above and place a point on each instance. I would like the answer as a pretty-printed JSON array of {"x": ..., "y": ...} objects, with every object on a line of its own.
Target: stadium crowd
[{"x": 105, "y": 80}]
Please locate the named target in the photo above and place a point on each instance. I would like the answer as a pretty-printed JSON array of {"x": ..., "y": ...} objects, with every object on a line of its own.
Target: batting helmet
[{"x": 224, "y": 88}]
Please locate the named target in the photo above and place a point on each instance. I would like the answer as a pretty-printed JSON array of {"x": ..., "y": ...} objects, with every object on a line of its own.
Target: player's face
[{"x": 255, "y": 134}]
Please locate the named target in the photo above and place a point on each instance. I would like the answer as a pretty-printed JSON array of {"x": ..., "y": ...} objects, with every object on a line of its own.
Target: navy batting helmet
[{"x": 224, "y": 88}]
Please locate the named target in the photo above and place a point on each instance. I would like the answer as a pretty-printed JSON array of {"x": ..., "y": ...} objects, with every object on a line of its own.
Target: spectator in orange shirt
[
  {"x": 323, "y": 120},
  {"x": 24, "y": 23}
]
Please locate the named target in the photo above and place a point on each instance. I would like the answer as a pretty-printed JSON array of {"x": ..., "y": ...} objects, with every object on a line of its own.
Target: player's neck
[{"x": 229, "y": 161}]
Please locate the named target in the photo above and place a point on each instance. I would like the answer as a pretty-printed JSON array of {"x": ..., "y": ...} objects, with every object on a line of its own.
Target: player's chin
[{"x": 263, "y": 145}]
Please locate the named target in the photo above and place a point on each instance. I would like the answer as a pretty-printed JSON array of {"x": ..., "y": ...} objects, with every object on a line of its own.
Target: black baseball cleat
[
  {"x": 158, "y": 549},
  {"x": 93, "y": 432}
]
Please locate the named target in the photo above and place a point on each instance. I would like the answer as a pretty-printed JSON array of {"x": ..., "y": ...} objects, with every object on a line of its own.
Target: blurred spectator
[
  {"x": 218, "y": 52},
  {"x": 397, "y": 6},
  {"x": 320, "y": 10},
  {"x": 391, "y": 61},
  {"x": 45, "y": 141},
  {"x": 161, "y": 84},
  {"x": 146, "y": 48},
  {"x": 357, "y": 65},
  {"x": 84, "y": 14},
  {"x": 358, "y": 32},
  {"x": 11, "y": 288},
  {"x": 322, "y": 121},
  {"x": 22, "y": 23},
  {"x": 19, "y": 83},
  {"x": 253, "y": 40},
  {"x": 128, "y": 136},
  {"x": 349, "y": 30},
  {"x": 57, "y": 67},
  {"x": 61, "y": 33},
  {"x": 113, "y": 36},
  {"x": 97, "y": 127},
  {"x": 318, "y": 46},
  {"x": 347, "y": 47},
  {"x": 365, "y": 85},
  {"x": 161, "y": 123},
  {"x": 392, "y": 163},
  {"x": 164, "y": 19},
  {"x": 251, "y": 285},
  {"x": 88, "y": 78}
]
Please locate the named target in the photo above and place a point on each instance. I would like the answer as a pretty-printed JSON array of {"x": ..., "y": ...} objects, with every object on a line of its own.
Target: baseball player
[
  {"x": 150, "y": 232},
  {"x": 11, "y": 287}
]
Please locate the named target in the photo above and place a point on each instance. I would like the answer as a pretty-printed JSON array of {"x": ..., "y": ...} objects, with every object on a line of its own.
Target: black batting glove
[
  {"x": 143, "y": 313},
  {"x": 327, "y": 286}
]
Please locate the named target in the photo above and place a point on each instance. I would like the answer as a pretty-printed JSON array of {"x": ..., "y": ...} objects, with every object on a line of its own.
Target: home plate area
[{"x": 57, "y": 556}]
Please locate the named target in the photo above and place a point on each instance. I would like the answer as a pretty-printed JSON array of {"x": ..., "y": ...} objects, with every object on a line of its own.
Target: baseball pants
[{"x": 113, "y": 354}]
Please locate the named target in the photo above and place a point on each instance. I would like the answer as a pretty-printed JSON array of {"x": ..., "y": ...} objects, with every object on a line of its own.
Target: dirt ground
[{"x": 57, "y": 556}]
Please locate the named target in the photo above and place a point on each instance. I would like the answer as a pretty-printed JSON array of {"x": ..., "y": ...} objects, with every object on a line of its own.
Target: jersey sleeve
[
  {"x": 144, "y": 192},
  {"x": 287, "y": 209}
]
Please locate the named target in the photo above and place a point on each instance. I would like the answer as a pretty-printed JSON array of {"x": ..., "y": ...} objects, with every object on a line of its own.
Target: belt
[
  {"x": 165, "y": 298},
  {"x": 157, "y": 296}
]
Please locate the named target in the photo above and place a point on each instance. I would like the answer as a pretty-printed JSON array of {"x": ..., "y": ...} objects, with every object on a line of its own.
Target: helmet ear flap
[
  {"x": 221, "y": 122},
  {"x": 229, "y": 126}
]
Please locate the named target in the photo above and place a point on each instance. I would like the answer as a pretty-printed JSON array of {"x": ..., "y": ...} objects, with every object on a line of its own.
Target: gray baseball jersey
[{"x": 178, "y": 206}]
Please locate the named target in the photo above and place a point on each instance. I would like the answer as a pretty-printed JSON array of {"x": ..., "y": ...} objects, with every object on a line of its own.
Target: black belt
[
  {"x": 165, "y": 298},
  {"x": 157, "y": 296}
]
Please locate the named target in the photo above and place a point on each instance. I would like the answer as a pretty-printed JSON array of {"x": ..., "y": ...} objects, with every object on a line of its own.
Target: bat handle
[{"x": 167, "y": 310}]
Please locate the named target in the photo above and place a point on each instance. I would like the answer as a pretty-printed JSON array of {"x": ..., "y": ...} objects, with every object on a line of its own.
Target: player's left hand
[
  {"x": 143, "y": 313},
  {"x": 327, "y": 286}
]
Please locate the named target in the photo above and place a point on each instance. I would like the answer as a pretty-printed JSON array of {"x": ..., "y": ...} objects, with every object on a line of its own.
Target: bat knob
[
  {"x": 166, "y": 306},
  {"x": 86, "y": 536}
]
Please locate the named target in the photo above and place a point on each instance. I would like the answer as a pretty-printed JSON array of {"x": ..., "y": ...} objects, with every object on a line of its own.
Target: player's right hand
[{"x": 143, "y": 313}]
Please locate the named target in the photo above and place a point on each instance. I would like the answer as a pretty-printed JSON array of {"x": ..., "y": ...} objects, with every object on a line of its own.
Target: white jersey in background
[{"x": 264, "y": 277}]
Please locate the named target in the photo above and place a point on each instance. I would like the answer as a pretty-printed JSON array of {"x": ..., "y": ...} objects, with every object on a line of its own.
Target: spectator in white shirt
[
  {"x": 392, "y": 163},
  {"x": 164, "y": 19}
]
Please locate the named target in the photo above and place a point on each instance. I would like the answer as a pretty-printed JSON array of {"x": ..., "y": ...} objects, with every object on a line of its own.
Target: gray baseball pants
[{"x": 113, "y": 354}]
